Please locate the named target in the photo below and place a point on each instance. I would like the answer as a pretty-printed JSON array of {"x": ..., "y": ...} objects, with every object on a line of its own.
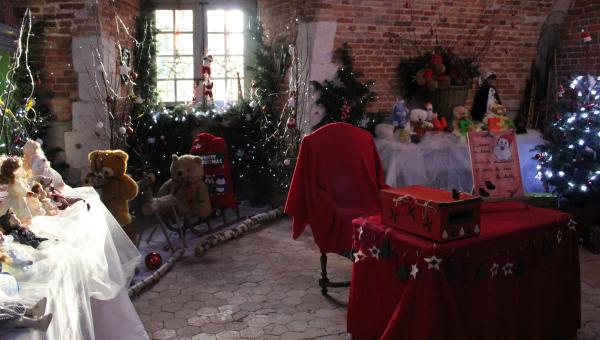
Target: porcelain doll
[
  {"x": 42, "y": 196},
  {"x": 17, "y": 190},
  {"x": 36, "y": 164},
  {"x": 11, "y": 225}
]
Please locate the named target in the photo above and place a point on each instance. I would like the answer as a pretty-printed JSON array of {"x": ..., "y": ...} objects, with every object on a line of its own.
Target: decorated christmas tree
[
  {"x": 569, "y": 164},
  {"x": 345, "y": 99}
]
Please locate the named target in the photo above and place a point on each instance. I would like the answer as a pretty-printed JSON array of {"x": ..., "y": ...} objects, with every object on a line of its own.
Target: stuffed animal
[
  {"x": 17, "y": 189},
  {"x": 439, "y": 124},
  {"x": 497, "y": 120},
  {"x": 187, "y": 184},
  {"x": 389, "y": 132},
  {"x": 462, "y": 122},
  {"x": 418, "y": 124},
  {"x": 432, "y": 76},
  {"x": 118, "y": 188},
  {"x": 36, "y": 164},
  {"x": 399, "y": 113}
]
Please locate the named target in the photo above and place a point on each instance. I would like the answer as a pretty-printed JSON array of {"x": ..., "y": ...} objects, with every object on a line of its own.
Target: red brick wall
[
  {"x": 378, "y": 32},
  {"x": 573, "y": 56},
  {"x": 63, "y": 20}
]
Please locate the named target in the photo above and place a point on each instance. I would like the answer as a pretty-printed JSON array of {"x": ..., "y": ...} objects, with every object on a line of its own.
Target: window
[{"x": 184, "y": 37}]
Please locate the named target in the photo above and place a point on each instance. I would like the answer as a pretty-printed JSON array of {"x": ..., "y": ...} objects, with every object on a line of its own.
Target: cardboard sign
[{"x": 495, "y": 164}]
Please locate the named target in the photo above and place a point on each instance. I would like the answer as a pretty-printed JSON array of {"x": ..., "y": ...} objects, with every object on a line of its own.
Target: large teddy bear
[
  {"x": 187, "y": 184},
  {"x": 116, "y": 188}
]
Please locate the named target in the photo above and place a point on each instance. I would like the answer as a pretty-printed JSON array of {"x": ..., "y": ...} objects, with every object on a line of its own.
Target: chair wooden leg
[{"x": 324, "y": 281}]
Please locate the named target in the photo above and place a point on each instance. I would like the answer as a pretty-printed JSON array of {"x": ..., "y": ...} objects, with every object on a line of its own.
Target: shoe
[{"x": 38, "y": 310}]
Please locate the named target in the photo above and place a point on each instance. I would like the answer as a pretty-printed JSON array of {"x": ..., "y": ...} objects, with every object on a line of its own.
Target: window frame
[{"x": 248, "y": 7}]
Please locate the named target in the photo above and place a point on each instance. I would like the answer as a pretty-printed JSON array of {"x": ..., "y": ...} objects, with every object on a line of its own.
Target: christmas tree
[
  {"x": 345, "y": 99},
  {"x": 569, "y": 164}
]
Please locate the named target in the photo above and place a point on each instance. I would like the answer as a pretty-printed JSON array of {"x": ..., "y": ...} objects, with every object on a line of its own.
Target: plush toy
[
  {"x": 187, "y": 184},
  {"x": 462, "y": 122},
  {"x": 418, "y": 124},
  {"x": 36, "y": 164},
  {"x": 117, "y": 188},
  {"x": 497, "y": 120},
  {"x": 10, "y": 224},
  {"x": 17, "y": 189},
  {"x": 439, "y": 124},
  {"x": 399, "y": 113}
]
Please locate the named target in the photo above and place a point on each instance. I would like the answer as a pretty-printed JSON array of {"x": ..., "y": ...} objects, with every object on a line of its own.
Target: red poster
[{"x": 495, "y": 164}]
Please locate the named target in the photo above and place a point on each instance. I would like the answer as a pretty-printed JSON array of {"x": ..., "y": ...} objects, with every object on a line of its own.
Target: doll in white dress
[
  {"x": 17, "y": 190},
  {"x": 42, "y": 197},
  {"x": 36, "y": 164}
]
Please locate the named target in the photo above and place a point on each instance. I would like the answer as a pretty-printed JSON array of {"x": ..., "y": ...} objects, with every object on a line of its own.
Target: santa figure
[
  {"x": 206, "y": 60},
  {"x": 502, "y": 147},
  {"x": 208, "y": 86}
]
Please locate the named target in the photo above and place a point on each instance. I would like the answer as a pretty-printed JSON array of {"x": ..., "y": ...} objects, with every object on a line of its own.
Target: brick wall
[
  {"x": 63, "y": 20},
  {"x": 379, "y": 32},
  {"x": 573, "y": 56}
]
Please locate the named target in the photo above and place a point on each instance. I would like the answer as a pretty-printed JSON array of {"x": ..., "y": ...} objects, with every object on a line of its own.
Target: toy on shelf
[
  {"x": 11, "y": 225},
  {"x": 42, "y": 196},
  {"x": 462, "y": 122},
  {"x": 399, "y": 114},
  {"x": 418, "y": 124},
  {"x": 17, "y": 189},
  {"x": 486, "y": 95},
  {"x": 497, "y": 120},
  {"x": 117, "y": 187},
  {"x": 36, "y": 164},
  {"x": 187, "y": 184},
  {"x": 439, "y": 124}
]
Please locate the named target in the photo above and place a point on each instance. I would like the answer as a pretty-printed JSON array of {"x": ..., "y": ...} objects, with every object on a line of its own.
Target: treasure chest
[{"x": 431, "y": 213}]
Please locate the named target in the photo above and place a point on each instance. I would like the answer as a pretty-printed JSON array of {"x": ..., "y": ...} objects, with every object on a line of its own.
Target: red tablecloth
[{"x": 519, "y": 279}]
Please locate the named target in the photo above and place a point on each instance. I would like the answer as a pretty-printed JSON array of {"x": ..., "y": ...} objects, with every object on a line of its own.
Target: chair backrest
[{"x": 348, "y": 166}]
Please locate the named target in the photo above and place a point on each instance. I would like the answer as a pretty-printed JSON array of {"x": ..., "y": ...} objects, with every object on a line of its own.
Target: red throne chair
[{"x": 337, "y": 178}]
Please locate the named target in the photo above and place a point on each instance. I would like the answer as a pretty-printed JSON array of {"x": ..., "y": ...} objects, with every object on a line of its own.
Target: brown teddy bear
[
  {"x": 187, "y": 184},
  {"x": 117, "y": 188}
]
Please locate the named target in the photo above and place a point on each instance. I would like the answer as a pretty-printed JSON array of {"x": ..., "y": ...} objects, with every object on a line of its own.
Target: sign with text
[{"x": 495, "y": 164}]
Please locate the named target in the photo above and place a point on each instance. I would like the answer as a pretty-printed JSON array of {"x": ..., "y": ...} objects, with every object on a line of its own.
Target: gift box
[{"x": 431, "y": 213}]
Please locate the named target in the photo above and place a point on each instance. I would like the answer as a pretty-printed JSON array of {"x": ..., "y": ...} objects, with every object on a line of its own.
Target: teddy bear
[
  {"x": 117, "y": 187},
  {"x": 187, "y": 184},
  {"x": 497, "y": 120},
  {"x": 36, "y": 164},
  {"x": 418, "y": 124},
  {"x": 462, "y": 122}
]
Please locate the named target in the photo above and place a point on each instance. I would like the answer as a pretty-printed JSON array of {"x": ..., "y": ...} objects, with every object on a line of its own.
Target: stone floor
[{"x": 264, "y": 285}]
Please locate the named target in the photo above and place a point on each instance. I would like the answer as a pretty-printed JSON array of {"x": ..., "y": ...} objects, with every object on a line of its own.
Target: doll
[
  {"x": 36, "y": 164},
  {"x": 18, "y": 191},
  {"x": 10, "y": 224},
  {"x": 43, "y": 200},
  {"x": 56, "y": 197},
  {"x": 17, "y": 315},
  {"x": 486, "y": 96},
  {"x": 11, "y": 255}
]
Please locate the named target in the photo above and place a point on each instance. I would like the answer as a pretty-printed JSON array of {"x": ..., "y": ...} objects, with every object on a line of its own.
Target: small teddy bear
[
  {"x": 418, "y": 124},
  {"x": 117, "y": 188},
  {"x": 187, "y": 184},
  {"x": 462, "y": 122}
]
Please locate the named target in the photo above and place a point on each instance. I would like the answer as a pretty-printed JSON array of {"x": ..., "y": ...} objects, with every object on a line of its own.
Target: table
[
  {"x": 84, "y": 269},
  {"x": 519, "y": 279},
  {"x": 441, "y": 161}
]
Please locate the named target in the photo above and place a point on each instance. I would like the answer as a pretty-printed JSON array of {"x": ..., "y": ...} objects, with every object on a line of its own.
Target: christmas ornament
[
  {"x": 494, "y": 269},
  {"x": 206, "y": 61},
  {"x": 133, "y": 75},
  {"x": 585, "y": 36},
  {"x": 153, "y": 260},
  {"x": 507, "y": 268},
  {"x": 99, "y": 125},
  {"x": 264, "y": 109},
  {"x": 433, "y": 262},
  {"x": 151, "y": 140},
  {"x": 253, "y": 104},
  {"x": 122, "y": 130},
  {"x": 291, "y": 122},
  {"x": 124, "y": 70},
  {"x": 414, "y": 269},
  {"x": 359, "y": 256},
  {"x": 240, "y": 153},
  {"x": 286, "y": 162},
  {"x": 345, "y": 111}
]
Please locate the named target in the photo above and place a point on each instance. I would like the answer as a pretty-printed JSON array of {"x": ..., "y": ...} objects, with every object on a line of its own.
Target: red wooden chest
[{"x": 431, "y": 213}]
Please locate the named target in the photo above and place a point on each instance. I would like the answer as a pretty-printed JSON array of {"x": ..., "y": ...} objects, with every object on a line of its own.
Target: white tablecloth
[
  {"x": 84, "y": 270},
  {"x": 442, "y": 161}
]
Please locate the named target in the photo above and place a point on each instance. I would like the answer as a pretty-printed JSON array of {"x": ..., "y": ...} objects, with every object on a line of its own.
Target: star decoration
[
  {"x": 375, "y": 252},
  {"x": 559, "y": 236},
  {"x": 572, "y": 225},
  {"x": 494, "y": 269},
  {"x": 414, "y": 270},
  {"x": 444, "y": 234},
  {"x": 461, "y": 232},
  {"x": 359, "y": 256},
  {"x": 476, "y": 230},
  {"x": 411, "y": 211},
  {"x": 393, "y": 215},
  {"x": 433, "y": 262},
  {"x": 507, "y": 268}
]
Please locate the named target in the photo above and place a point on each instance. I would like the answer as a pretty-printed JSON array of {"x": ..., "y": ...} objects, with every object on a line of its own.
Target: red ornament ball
[
  {"x": 265, "y": 109},
  {"x": 557, "y": 117},
  {"x": 153, "y": 260}
]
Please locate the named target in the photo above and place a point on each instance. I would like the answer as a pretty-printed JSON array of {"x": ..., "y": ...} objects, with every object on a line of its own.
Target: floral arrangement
[{"x": 437, "y": 70}]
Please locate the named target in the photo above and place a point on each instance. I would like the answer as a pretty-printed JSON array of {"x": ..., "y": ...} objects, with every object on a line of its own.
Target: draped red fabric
[
  {"x": 538, "y": 298},
  {"x": 337, "y": 178}
]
